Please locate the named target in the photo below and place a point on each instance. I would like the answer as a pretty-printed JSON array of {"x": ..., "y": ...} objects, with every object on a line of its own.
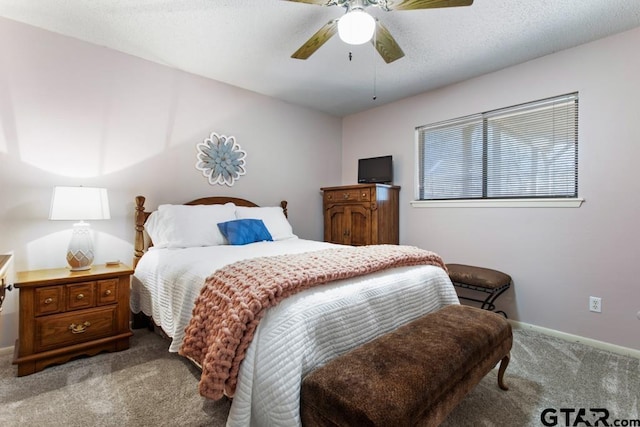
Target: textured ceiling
[{"x": 248, "y": 43}]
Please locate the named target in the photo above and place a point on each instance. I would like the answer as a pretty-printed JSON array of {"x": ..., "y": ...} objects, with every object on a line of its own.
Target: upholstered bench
[
  {"x": 492, "y": 282},
  {"x": 414, "y": 375}
]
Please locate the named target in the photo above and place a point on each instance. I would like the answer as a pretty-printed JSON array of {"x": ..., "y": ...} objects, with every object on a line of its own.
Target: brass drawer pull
[
  {"x": 48, "y": 301},
  {"x": 80, "y": 296},
  {"x": 346, "y": 195},
  {"x": 78, "y": 329},
  {"x": 107, "y": 292}
]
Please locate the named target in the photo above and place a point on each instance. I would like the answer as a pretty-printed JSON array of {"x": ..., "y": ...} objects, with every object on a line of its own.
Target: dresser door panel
[
  {"x": 335, "y": 231},
  {"x": 359, "y": 225}
]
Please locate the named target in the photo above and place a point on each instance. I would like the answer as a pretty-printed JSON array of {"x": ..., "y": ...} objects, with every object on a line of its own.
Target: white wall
[
  {"x": 72, "y": 113},
  {"x": 557, "y": 257}
]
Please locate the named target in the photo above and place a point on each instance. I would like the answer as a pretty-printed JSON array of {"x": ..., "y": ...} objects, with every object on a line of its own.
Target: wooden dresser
[
  {"x": 64, "y": 314},
  {"x": 362, "y": 214}
]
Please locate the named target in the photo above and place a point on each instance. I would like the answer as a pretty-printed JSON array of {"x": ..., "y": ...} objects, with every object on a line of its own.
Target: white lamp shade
[
  {"x": 79, "y": 203},
  {"x": 356, "y": 27}
]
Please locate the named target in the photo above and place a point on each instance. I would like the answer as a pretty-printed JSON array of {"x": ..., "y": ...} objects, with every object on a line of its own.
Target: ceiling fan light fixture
[{"x": 356, "y": 27}]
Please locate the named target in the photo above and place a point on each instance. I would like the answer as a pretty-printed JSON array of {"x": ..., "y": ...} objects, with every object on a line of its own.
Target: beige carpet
[{"x": 147, "y": 386}]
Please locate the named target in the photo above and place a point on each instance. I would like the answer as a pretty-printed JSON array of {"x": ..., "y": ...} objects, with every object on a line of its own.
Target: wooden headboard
[{"x": 140, "y": 246}]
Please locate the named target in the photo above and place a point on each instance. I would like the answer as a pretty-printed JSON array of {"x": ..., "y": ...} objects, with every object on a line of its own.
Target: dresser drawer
[
  {"x": 107, "y": 291},
  {"x": 60, "y": 330},
  {"x": 49, "y": 300},
  {"x": 347, "y": 195},
  {"x": 80, "y": 295}
]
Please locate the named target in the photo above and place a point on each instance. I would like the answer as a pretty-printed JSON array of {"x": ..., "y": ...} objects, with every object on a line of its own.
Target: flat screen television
[{"x": 375, "y": 170}]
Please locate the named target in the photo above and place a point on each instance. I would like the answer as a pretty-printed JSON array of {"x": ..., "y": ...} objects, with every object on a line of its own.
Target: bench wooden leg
[{"x": 503, "y": 367}]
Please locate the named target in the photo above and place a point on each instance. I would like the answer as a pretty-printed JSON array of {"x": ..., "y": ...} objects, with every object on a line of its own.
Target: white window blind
[{"x": 525, "y": 151}]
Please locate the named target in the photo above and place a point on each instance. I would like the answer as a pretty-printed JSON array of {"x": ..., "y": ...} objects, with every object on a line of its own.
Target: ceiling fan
[{"x": 356, "y": 26}]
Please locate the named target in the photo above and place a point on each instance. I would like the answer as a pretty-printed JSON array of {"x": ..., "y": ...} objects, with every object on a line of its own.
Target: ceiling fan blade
[
  {"x": 318, "y": 2},
  {"x": 317, "y": 40},
  {"x": 385, "y": 44},
  {"x": 422, "y": 4}
]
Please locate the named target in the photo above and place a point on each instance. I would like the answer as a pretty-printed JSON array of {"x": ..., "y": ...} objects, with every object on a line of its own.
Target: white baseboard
[
  {"x": 625, "y": 351},
  {"x": 6, "y": 350}
]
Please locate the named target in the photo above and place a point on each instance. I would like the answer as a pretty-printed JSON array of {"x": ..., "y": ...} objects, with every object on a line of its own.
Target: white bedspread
[{"x": 301, "y": 333}]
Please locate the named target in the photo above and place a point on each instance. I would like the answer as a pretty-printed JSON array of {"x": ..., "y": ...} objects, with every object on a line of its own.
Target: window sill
[{"x": 501, "y": 203}]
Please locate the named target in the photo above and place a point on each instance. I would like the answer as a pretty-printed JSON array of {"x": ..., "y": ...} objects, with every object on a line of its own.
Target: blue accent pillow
[{"x": 244, "y": 231}]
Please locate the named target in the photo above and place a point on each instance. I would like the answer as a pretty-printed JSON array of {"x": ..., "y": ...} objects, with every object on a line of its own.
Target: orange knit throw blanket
[{"x": 234, "y": 299}]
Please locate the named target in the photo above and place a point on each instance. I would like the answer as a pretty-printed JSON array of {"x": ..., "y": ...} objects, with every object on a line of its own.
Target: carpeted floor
[{"x": 147, "y": 386}]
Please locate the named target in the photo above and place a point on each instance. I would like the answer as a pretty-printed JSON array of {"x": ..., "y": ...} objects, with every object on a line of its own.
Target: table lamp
[{"x": 80, "y": 204}]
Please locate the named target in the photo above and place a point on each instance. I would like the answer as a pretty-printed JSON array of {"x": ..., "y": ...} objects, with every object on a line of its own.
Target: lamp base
[
  {"x": 80, "y": 253},
  {"x": 83, "y": 268}
]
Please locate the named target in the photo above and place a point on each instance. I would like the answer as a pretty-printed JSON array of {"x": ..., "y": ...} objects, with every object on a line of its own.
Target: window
[{"x": 528, "y": 151}]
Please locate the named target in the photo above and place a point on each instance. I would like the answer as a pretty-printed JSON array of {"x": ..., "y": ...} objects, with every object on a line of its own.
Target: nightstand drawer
[
  {"x": 107, "y": 291},
  {"x": 49, "y": 300},
  {"x": 71, "y": 328},
  {"x": 80, "y": 295}
]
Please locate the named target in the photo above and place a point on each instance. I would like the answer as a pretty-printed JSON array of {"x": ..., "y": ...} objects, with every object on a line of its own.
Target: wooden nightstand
[{"x": 64, "y": 314}]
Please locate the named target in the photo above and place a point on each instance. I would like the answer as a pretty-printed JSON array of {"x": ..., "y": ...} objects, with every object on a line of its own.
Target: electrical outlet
[{"x": 595, "y": 304}]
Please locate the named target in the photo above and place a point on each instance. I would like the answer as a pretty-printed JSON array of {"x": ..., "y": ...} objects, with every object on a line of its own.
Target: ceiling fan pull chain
[
  {"x": 375, "y": 70},
  {"x": 375, "y": 96}
]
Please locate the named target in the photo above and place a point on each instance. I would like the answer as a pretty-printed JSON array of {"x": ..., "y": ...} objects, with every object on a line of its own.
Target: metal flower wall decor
[{"x": 220, "y": 159}]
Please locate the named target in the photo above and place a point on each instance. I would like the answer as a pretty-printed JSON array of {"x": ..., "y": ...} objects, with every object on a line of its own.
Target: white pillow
[
  {"x": 185, "y": 226},
  {"x": 273, "y": 218}
]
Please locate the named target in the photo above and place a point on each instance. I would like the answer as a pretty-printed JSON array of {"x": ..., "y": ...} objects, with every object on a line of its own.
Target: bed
[{"x": 301, "y": 332}]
